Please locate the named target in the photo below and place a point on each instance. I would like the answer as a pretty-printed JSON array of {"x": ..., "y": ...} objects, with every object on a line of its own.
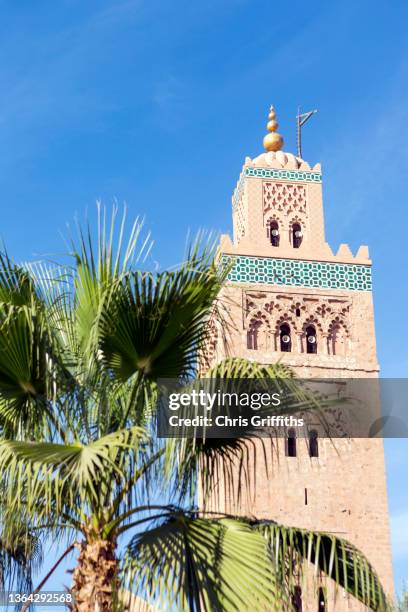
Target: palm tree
[
  {"x": 82, "y": 351},
  {"x": 402, "y": 605}
]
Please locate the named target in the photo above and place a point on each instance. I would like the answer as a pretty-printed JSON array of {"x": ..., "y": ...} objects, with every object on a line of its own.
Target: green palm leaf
[
  {"x": 20, "y": 556},
  {"x": 27, "y": 371},
  {"x": 154, "y": 323},
  {"x": 196, "y": 563},
  {"x": 16, "y": 287},
  {"x": 293, "y": 550},
  {"x": 100, "y": 267},
  {"x": 44, "y": 478}
]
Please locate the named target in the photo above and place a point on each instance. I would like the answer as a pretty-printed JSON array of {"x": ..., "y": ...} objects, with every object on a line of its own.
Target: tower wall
[{"x": 343, "y": 490}]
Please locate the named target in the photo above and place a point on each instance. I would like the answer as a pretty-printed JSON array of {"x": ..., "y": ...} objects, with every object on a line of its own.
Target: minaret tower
[{"x": 291, "y": 299}]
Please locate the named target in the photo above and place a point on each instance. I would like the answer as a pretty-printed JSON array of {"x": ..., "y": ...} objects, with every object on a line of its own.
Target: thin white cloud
[
  {"x": 363, "y": 155},
  {"x": 47, "y": 85},
  {"x": 171, "y": 101}
]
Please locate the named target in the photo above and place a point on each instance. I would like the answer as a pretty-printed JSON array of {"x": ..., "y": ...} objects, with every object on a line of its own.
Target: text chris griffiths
[{"x": 223, "y": 420}]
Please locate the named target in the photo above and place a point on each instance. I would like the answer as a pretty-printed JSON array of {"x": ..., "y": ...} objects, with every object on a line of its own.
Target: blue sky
[{"x": 157, "y": 104}]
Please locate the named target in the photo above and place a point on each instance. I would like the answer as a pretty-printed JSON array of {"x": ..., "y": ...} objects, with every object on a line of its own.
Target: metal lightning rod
[{"x": 301, "y": 119}]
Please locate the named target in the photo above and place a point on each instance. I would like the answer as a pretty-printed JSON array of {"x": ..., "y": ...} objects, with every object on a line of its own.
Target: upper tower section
[{"x": 278, "y": 208}]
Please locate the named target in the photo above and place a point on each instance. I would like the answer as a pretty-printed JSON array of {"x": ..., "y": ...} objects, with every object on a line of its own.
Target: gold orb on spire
[{"x": 272, "y": 141}]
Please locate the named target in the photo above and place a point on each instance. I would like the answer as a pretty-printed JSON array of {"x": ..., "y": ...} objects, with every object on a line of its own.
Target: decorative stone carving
[
  {"x": 284, "y": 198},
  {"x": 239, "y": 219},
  {"x": 267, "y": 311},
  {"x": 208, "y": 353}
]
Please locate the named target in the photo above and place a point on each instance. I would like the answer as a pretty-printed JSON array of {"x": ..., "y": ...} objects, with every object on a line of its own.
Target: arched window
[
  {"x": 321, "y": 606},
  {"x": 297, "y": 235},
  {"x": 337, "y": 340},
  {"x": 285, "y": 339},
  {"x": 297, "y": 599},
  {"x": 291, "y": 443},
  {"x": 313, "y": 443},
  {"x": 311, "y": 340},
  {"x": 252, "y": 337},
  {"x": 274, "y": 233}
]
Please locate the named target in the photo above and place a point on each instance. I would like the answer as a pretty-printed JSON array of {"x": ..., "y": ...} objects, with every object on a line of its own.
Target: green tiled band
[
  {"x": 298, "y": 273},
  {"x": 285, "y": 175}
]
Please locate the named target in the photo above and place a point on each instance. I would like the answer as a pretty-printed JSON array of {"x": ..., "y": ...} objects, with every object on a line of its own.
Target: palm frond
[
  {"x": 21, "y": 554},
  {"x": 153, "y": 324},
  {"x": 16, "y": 286},
  {"x": 293, "y": 550},
  {"x": 27, "y": 372},
  {"x": 196, "y": 563},
  {"x": 100, "y": 264},
  {"x": 44, "y": 479}
]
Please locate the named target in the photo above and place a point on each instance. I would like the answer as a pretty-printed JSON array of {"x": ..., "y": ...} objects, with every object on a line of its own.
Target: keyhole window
[
  {"x": 311, "y": 340},
  {"x": 322, "y": 601},
  {"x": 297, "y": 235},
  {"x": 313, "y": 444},
  {"x": 274, "y": 233},
  {"x": 297, "y": 599},
  {"x": 291, "y": 443},
  {"x": 285, "y": 339}
]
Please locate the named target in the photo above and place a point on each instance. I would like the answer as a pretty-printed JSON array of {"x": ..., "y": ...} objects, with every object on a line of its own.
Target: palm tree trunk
[{"x": 95, "y": 578}]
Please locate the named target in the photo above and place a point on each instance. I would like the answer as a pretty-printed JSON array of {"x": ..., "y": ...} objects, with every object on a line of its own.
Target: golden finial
[{"x": 272, "y": 141}]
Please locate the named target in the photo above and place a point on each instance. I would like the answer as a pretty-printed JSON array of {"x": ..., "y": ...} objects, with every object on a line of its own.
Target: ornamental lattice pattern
[
  {"x": 283, "y": 175},
  {"x": 237, "y": 195},
  {"x": 239, "y": 220},
  {"x": 299, "y": 311},
  {"x": 298, "y": 273},
  {"x": 284, "y": 198},
  {"x": 265, "y": 313}
]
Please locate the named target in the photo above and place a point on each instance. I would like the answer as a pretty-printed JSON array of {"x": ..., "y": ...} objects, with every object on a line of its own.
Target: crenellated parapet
[{"x": 278, "y": 212}]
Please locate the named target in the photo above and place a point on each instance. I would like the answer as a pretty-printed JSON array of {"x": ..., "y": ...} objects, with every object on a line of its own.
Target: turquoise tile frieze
[
  {"x": 272, "y": 173},
  {"x": 286, "y": 175},
  {"x": 298, "y": 273}
]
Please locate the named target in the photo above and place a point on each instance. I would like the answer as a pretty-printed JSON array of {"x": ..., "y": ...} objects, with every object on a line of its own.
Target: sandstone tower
[{"x": 292, "y": 299}]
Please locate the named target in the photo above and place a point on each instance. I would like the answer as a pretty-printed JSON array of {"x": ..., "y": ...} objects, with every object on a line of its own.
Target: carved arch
[
  {"x": 338, "y": 322},
  {"x": 338, "y": 337},
  {"x": 274, "y": 223},
  {"x": 273, "y": 217},
  {"x": 255, "y": 314},
  {"x": 297, "y": 219},
  {"x": 314, "y": 321},
  {"x": 286, "y": 318},
  {"x": 258, "y": 330}
]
